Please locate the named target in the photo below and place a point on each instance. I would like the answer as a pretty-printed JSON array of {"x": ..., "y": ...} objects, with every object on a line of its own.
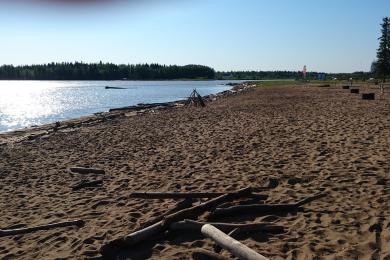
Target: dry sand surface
[{"x": 304, "y": 139}]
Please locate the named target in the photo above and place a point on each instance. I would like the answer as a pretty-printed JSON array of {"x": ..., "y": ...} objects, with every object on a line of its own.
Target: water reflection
[{"x": 27, "y": 103}]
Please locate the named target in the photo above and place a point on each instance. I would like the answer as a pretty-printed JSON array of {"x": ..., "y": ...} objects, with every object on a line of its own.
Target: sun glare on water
[{"x": 24, "y": 103}]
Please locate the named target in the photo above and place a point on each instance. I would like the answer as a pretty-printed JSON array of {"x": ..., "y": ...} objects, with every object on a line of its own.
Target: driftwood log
[
  {"x": 18, "y": 231},
  {"x": 264, "y": 208},
  {"x": 186, "y": 203},
  {"x": 108, "y": 87},
  {"x": 191, "y": 225},
  {"x": 186, "y": 195},
  {"x": 87, "y": 184},
  {"x": 163, "y": 225},
  {"x": 233, "y": 246},
  {"x": 83, "y": 170}
]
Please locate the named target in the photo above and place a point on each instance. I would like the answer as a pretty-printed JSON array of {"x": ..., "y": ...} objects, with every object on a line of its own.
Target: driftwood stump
[{"x": 368, "y": 96}]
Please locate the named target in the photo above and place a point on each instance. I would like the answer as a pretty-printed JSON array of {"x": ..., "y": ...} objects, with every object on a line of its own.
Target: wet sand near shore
[{"x": 301, "y": 139}]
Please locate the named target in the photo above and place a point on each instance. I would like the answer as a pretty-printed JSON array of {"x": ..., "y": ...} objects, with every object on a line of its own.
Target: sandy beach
[{"x": 298, "y": 140}]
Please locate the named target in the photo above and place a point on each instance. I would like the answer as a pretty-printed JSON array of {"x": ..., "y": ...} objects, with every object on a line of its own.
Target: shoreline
[{"x": 33, "y": 132}]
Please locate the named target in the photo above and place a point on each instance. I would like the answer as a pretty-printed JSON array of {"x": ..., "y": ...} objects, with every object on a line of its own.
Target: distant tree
[{"x": 383, "y": 54}]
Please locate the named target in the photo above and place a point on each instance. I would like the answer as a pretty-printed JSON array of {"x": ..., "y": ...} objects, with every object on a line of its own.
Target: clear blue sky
[{"x": 326, "y": 35}]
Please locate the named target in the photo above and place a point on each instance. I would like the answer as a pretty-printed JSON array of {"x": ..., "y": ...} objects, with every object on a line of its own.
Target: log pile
[
  {"x": 195, "y": 100},
  {"x": 184, "y": 219}
]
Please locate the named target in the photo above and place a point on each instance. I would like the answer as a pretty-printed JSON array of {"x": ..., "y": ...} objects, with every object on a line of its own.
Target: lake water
[{"x": 27, "y": 103}]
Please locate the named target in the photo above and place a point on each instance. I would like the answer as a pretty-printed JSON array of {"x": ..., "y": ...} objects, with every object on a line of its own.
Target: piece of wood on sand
[
  {"x": 186, "y": 195},
  {"x": 18, "y": 231},
  {"x": 233, "y": 246},
  {"x": 196, "y": 226},
  {"x": 87, "y": 184},
  {"x": 163, "y": 225},
  {"x": 84, "y": 170},
  {"x": 186, "y": 203},
  {"x": 263, "y": 208}
]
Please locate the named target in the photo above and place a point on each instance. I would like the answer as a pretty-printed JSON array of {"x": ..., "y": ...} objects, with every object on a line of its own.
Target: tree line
[
  {"x": 109, "y": 71},
  {"x": 104, "y": 71}
]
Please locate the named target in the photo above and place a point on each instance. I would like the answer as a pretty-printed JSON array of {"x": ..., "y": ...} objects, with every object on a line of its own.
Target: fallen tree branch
[
  {"x": 87, "y": 184},
  {"x": 161, "y": 226},
  {"x": 12, "y": 232},
  {"x": 233, "y": 246},
  {"x": 191, "y": 225},
  {"x": 83, "y": 170},
  {"x": 264, "y": 208},
  {"x": 185, "y": 195},
  {"x": 186, "y": 203}
]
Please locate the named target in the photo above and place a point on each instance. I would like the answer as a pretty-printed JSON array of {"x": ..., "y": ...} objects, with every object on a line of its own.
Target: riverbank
[{"x": 296, "y": 140}]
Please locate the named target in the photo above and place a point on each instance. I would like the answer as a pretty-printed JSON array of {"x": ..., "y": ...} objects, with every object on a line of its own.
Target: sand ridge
[{"x": 307, "y": 139}]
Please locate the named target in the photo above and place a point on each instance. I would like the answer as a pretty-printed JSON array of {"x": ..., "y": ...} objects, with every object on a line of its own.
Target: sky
[{"x": 325, "y": 35}]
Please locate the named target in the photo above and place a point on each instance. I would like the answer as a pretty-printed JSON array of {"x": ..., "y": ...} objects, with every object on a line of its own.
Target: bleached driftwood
[
  {"x": 18, "y": 231},
  {"x": 182, "y": 195},
  {"x": 161, "y": 226},
  {"x": 233, "y": 246},
  {"x": 191, "y": 225},
  {"x": 264, "y": 208},
  {"x": 83, "y": 170}
]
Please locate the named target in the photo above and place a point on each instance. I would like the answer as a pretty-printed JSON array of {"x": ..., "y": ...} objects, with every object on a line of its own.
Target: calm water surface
[{"x": 27, "y": 103}]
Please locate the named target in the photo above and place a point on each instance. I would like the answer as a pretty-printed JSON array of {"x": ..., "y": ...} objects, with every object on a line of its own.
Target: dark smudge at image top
[{"x": 82, "y": 3}]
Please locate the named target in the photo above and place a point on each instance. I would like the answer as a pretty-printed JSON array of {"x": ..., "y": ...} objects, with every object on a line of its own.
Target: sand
[{"x": 305, "y": 139}]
